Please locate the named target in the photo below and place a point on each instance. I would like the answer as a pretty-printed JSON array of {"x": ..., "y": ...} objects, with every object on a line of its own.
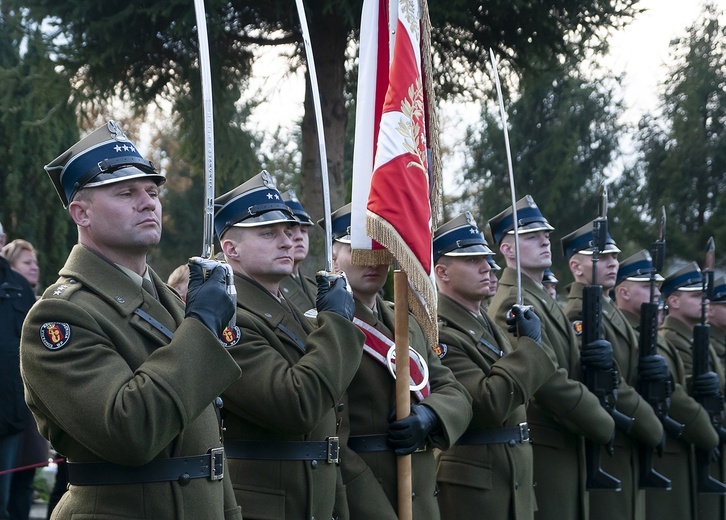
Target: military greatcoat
[
  {"x": 680, "y": 338},
  {"x": 300, "y": 290},
  {"x": 294, "y": 378},
  {"x": 106, "y": 385},
  {"x": 562, "y": 410},
  {"x": 714, "y": 506},
  {"x": 676, "y": 461},
  {"x": 493, "y": 481},
  {"x": 370, "y": 477},
  {"x": 646, "y": 428}
]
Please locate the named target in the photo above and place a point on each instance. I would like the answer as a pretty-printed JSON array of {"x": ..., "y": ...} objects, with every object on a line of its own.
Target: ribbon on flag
[{"x": 393, "y": 210}]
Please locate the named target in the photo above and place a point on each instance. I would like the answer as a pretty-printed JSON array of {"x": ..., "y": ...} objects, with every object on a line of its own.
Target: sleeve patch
[
  {"x": 231, "y": 336},
  {"x": 440, "y": 349},
  {"x": 55, "y": 335}
]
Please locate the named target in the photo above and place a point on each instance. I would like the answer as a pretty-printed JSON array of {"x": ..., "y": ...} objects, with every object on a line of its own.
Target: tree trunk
[{"x": 329, "y": 42}]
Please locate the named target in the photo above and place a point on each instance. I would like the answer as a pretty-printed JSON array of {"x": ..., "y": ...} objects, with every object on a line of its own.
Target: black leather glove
[
  {"x": 408, "y": 434},
  {"x": 653, "y": 368},
  {"x": 523, "y": 321},
  {"x": 207, "y": 300},
  {"x": 333, "y": 295},
  {"x": 705, "y": 384},
  {"x": 597, "y": 354}
]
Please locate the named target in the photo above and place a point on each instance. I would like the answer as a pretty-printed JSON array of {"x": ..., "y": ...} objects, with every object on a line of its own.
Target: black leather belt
[
  {"x": 182, "y": 469},
  {"x": 327, "y": 450},
  {"x": 371, "y": 443},
  {"x": 516, "y": 435}
]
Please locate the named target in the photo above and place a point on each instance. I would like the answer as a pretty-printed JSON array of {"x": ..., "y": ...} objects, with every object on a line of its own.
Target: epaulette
[{"x": 63, "y": 289}]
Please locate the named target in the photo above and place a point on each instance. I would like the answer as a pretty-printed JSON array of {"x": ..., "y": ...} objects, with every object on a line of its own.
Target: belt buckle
[
  {"x": 216, "y": 463},
  {"x": 421, "y": 449},
  {"x": 333, "y": 450},
  {"x": 524, "y": 433}
]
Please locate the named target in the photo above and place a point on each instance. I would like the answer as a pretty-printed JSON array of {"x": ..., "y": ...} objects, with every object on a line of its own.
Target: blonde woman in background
[
  {"x": 179, "y": 280},
  {"x": 21, "y": 256}
]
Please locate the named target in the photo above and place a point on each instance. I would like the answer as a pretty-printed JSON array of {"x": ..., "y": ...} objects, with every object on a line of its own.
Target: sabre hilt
[{"x": 209, "y": 265}]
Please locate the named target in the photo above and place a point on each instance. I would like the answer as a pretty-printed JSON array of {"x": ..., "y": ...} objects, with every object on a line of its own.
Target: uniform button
[
  {"x": 341, "y": 407},
  {"x": 516, "y": 485},
  {"x": 314, "y": 464},
  {"x": 184, "y": 479},
  {"x": 512, "y": 442},
  {"x": 218, "y": 402},
  {"x": 413, "y": 496}
]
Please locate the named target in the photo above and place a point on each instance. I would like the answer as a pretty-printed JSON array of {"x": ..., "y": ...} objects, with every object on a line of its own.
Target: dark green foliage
[
  {"x": 37, "y": 123},
  {"x": 683, "y": 151}
]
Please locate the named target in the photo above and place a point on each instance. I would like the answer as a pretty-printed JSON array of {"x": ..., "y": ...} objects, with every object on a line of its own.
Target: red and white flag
[{"x": 391, "y": 207}]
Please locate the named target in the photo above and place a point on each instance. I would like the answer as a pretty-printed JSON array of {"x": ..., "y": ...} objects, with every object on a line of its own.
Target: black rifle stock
[
  {"x": 602, "y": 383},
  {"x": 656, "y": 393},
  {"x": 712, "y": 403}
]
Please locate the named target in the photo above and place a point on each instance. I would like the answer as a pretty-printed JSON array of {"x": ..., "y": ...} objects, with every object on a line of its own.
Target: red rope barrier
[{"x": 30, "y": 466}]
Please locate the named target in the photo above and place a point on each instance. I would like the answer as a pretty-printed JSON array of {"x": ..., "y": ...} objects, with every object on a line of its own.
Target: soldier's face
[
  {"x": 301, "y": 242},
  {"x": 263, "y": 253},
  {"x": 468, "y": 277},
  {"x": 607, "y": 269},
  {"x": 493, "y": 282},
  {"x": 120, "y": 217},
  {"x": 686, "y": 305},
  {"x": 365, "y": 280},
  {"x": 534, "y": 250},
  {"x": 717, "y": 315}
]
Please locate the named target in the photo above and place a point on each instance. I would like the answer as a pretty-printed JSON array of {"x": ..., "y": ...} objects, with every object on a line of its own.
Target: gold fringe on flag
[
  {"x": 371, "y": 257},
  {"x": 423, "y": 309},
  {"x": 432, "y": 117}
]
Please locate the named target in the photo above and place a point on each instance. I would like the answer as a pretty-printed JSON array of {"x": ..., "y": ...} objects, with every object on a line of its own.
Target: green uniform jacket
[
  {"x": 629, "y": 503},
  {"x": 116, "y": 389},
  {"x": 680, "y": 337},
  {"x": 370, "y": 478},
  {"x": 562, "y": 410},
  {"x": 714, "y": 506},
  {"x": 493, "y": 481},
  {"x": 300, "y": 290},
  {"x": 294, "y": 376}
]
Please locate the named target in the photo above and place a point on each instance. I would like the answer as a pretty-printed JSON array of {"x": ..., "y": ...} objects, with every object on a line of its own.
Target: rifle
[
  {"x": 602, "y": 383},
  {"x": 711, "y": 402},
  {"x": 656, "y": 393}
]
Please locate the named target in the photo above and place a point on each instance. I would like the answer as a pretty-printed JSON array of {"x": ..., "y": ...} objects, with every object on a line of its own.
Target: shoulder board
[{"x": 63, "y": 289}]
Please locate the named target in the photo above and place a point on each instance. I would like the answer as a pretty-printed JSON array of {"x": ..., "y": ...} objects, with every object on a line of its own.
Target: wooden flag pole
[{"x": 403, "y": 388}]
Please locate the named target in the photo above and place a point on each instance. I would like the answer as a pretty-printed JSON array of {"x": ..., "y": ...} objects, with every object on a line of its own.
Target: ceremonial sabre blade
[
  {"x": 515, "y": 218},
  {"x": 206, "y": 260},
  {"x": 321, "y": 134},
  {"x": 205, "y": 68}
]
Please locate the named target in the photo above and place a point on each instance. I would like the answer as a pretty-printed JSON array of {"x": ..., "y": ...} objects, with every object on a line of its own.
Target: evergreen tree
[
  {"x": 37, "y": 123},
  {"x": 683, "y": 150}
]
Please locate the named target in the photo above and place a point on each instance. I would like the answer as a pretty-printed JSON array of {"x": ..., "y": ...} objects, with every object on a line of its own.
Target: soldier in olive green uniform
[
  {"x": 300, "y": 290},
  {"x": 121, "y": 379},
  {"x": 646, "y": 429},
  {"x": 631, "y": 290},
  {"x": 280, "y": 419},
  {"x": 489, "y": 472},
  {"x": 683, "y": 291},
  {"x": 440, "y": 409},
  {"x": 717, "y": 320},
  {"x": 563, "y": 409}
]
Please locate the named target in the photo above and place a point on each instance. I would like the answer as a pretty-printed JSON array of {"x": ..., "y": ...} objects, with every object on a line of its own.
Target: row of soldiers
[{"x": 124, "y": 379}]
